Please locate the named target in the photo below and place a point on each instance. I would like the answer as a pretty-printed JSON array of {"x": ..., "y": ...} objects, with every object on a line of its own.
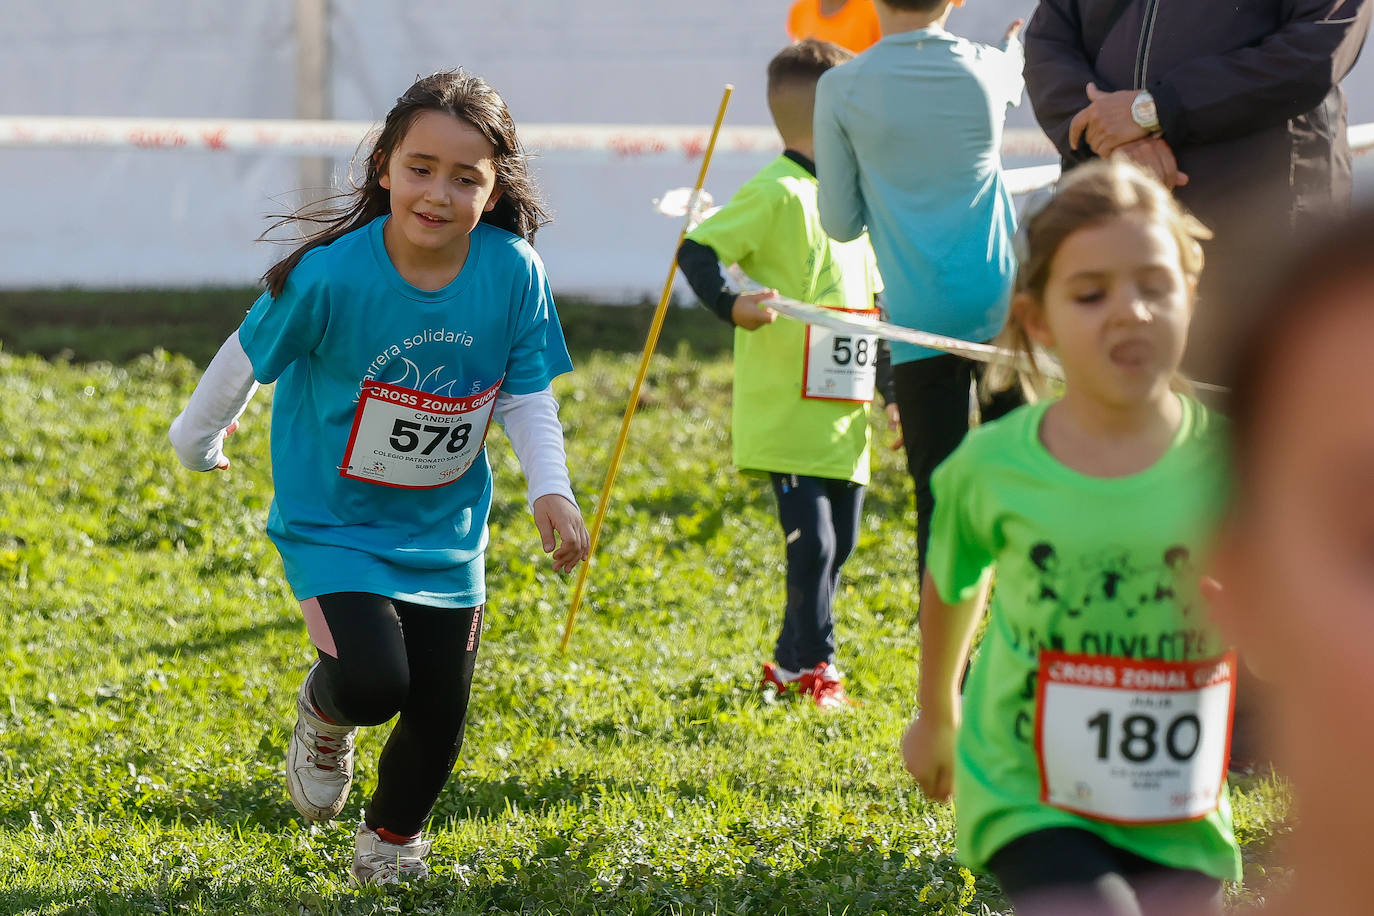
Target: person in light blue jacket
[{"x": 908, "y": 139}]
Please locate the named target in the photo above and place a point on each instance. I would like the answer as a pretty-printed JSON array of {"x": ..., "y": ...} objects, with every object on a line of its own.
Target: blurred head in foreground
[{"x": 1296, "y": 559}]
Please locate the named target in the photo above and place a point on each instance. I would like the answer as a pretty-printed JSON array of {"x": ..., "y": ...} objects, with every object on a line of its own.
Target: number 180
[{"x": 1140, "y": 737}]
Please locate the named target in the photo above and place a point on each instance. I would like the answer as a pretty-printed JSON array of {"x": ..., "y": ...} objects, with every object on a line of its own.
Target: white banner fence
[
  {"x": 601, "y": 177},
  {"x": 318, "y": 138},
  {"x": 309, "y": 138}
]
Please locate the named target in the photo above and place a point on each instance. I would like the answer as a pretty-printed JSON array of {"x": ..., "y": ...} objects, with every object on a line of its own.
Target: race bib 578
[{"x": 407, "y": 438}]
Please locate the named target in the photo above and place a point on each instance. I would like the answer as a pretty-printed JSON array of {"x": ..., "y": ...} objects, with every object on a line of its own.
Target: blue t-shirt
[
  {"x": 908, "y": 139},
  {"x": 345, "y": 319}
]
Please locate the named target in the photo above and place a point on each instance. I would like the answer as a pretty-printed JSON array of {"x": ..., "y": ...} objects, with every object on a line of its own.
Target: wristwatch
[{"x": 1144, "y": 112}]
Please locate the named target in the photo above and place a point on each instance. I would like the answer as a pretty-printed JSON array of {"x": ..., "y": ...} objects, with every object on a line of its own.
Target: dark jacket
[{"x": 1248, "y": 93}]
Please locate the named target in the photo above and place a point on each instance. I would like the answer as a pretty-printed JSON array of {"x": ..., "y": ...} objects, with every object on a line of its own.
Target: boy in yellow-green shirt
[{"x": 801, "y": 393}]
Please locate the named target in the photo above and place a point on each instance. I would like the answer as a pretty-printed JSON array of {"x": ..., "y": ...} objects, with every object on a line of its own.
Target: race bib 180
[
  {"x": 1134, "y": 742},
  {"x": 407, "y": 438},
  {"x": 840, "y": 365}
]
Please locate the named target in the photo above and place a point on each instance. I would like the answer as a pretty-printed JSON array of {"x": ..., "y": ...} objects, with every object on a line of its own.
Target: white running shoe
[
  {"x": 319, "y": 761},
  {"x": 375, "y": 861}
]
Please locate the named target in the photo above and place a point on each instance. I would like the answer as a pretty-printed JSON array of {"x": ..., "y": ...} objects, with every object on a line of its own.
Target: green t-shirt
[
  {"x": 772, "y": 229},
  {"x": 1098, "y": 566}
]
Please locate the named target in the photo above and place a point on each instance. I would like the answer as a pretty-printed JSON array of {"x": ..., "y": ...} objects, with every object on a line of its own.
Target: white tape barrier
[
  {"x": 679, "y": 202},
  {"x": 315, "y": 138},
  {"x": 862, "y": 324},
  {"x": 1018, "y": 181},
  {"x": 983, "y": 353},
  {"x": 1031, "y": 178}
]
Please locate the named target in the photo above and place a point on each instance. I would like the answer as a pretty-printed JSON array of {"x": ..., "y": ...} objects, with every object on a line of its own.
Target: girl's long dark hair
[{"x": 456, "y": 92}]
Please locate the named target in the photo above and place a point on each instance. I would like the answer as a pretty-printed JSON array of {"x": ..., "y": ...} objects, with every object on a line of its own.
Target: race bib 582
[{"x": 841, "y": 366}]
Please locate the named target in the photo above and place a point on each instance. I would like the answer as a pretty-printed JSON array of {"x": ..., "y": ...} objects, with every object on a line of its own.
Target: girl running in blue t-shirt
[{"x": 395, "y": 334}]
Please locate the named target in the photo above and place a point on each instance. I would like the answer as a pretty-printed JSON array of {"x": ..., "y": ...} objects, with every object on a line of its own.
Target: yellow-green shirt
[{"x": 772, "y": 229}]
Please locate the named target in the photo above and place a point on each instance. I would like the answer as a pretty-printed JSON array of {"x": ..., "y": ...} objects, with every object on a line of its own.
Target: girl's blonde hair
[{"x": 1087, "y": 196}]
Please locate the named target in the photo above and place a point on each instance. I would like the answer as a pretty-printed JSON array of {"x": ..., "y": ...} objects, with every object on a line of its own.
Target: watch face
[{"x": 1144, "y": 112}]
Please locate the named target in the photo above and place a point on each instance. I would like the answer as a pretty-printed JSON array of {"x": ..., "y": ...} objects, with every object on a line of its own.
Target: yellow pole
[{"x": 649, "y": 345}]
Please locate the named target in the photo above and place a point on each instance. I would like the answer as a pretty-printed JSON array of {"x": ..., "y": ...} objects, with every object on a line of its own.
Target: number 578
[{"x": 405, "y": 436}]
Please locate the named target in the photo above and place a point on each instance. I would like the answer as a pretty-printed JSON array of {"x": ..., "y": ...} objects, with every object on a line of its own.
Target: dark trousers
[
  {"x": 1226, "y": 288},
  {"x": 396, "y": 657},
  {"x": 820, "y": 523},
  {"x": 1064, "y": 871},
  {"x": 933, "y": 400}
]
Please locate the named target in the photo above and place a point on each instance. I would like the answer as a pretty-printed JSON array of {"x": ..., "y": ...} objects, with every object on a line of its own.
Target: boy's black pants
[{"x": 820, "y": 523}]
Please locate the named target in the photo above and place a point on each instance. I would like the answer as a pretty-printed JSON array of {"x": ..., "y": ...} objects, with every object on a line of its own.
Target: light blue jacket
[{"x": 908, "y": 145}]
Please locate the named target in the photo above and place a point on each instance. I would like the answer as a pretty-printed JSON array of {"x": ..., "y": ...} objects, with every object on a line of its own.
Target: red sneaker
[
  {"x": 824, "y": 686},
  {"x": 779, "y": 678}
]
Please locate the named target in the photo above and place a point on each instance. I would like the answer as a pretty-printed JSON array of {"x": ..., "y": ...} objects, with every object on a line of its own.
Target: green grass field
[{"x": 152, "y": 652}]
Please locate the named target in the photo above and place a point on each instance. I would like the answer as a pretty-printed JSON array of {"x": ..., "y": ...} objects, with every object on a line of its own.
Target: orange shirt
[{"x": 854, "y": 27}]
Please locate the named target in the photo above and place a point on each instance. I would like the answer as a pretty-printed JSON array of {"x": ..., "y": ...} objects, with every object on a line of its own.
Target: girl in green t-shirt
[{"x": 1087, "y": 756}]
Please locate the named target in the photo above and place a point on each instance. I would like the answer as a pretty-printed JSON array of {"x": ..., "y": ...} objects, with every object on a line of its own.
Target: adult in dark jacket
[{"x": 1237, "y": 106}]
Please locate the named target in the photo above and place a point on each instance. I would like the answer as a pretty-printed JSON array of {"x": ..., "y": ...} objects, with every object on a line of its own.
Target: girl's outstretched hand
[
  {"x": 554, "y": 514},
  {"x": 223, "y": 458},
  {"x": 928, "y": 752}
]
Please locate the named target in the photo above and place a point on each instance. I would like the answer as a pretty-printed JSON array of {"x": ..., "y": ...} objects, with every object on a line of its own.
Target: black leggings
[
  {"x": 1065, "y": 871},
  {"x": 932, "y": 398},
  {"x": 820, "y": 523},
  {"x": 394, "y": 657}
]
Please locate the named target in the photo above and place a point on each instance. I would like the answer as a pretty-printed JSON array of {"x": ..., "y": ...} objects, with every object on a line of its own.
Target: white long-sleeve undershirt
[
  {"x": 530, "y": 421},
  {"x": 219, "y": 400}
]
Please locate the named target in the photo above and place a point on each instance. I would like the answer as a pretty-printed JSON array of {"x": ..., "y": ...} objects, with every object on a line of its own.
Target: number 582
[{"x": 860, "y": 351}]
